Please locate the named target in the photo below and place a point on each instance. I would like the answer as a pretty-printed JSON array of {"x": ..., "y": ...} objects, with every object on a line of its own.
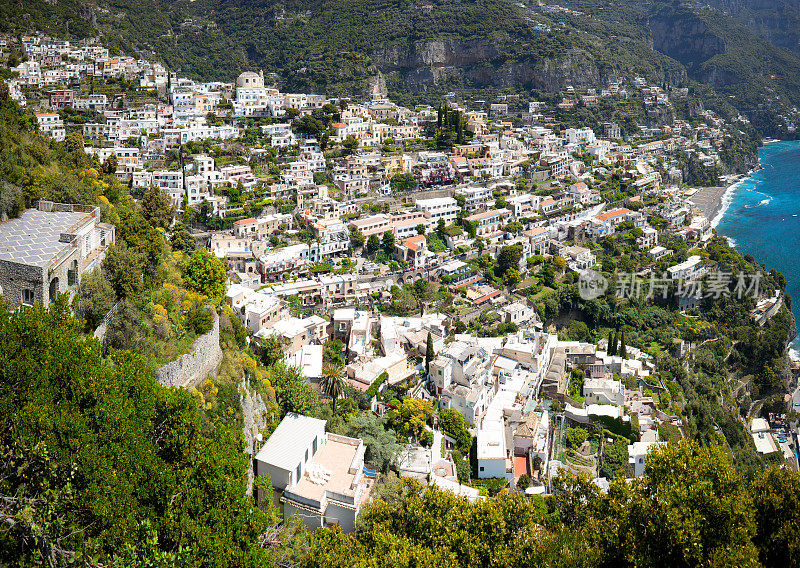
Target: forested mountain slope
[{"x": 424, "y": 49}]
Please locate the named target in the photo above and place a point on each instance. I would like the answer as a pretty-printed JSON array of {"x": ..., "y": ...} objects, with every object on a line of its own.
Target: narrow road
[{"x": 436, "y": 449}]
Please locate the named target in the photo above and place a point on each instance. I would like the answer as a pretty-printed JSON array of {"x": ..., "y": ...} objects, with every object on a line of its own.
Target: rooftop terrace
[
  {"x": 343, "y": 459},
  {"x": 34, "y": 238}
]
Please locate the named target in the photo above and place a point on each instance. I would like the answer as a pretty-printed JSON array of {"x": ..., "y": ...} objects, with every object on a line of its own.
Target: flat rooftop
[
  {"x": 33, "y": 238},
  {"x": 336, "y": 457}
]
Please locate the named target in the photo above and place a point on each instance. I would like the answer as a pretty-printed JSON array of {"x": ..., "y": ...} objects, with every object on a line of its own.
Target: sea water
[{"x": 762, "y": 217}]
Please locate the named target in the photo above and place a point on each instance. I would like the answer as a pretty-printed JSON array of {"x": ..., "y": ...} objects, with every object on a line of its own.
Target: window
[
  {"x": 27, "y": 297},
  {"x": 314, "y": 446},
  {"x": 54, "y": 285},
  {"x": 306, "y": 455},
  {"x": 481, "y": 468},
  {"x": 72, "y": 273},
  {"x": 298, "y": 473}
]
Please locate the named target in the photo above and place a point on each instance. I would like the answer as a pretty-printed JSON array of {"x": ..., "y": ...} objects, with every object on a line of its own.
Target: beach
[
  {"x": 712, "y": 200},
  {"x": 760, "y": 215}
]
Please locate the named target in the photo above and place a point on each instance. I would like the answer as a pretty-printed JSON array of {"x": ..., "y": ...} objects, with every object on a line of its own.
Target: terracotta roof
[
  {"x": 615, "y": 213},
  {"x": 535, "y": 232},
  {"x": 245, "y": 221},
  {"x": 414, "y": 243},
  {"x": 490, "y": 213}
]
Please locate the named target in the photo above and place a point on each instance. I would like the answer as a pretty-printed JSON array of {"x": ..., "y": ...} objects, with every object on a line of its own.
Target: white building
[
  {"x": 475, "y": 197},
  {"x": 315, "y": 475},
  {"x": 579, "y": 258},
  {"x": 445, "y": 208},
  {"x": 637, "y": 456},
  {"x": 690, "y": 269},
  {"x": 603, "y": 391},
  {"x": 51, "y": 125}
]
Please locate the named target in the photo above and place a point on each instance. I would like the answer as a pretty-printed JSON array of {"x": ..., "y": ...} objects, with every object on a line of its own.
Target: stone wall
[
  {"x": 192, "y": 368},
  {"x": 16, "y": 277},
  {"x": 254, "y": 414}
]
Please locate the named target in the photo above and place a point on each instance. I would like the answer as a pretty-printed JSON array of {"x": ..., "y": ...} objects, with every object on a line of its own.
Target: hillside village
[{"x": 432, "y": 251}]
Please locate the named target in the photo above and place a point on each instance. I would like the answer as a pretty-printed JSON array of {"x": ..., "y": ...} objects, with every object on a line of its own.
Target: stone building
[{"x": 47, "y": 250}]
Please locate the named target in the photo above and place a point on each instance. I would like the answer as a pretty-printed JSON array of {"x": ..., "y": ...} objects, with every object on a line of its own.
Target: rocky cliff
[
  {"x": 776, "y": 20},
  {"x": 684, "y": 36}
]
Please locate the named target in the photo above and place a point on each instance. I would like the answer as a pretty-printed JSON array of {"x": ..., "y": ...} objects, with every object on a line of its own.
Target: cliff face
[
  {"x": 684, "y": 37},
  {"x": 480, "y": 62},
  {"x": 776, "y": 20}
]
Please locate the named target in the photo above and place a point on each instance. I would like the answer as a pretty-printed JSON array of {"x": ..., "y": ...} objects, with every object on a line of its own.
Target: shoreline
[
  {"x": 726, "y": 198},
  {"x": 720, "y": 206},
  {"x": 793, "y": 345}
]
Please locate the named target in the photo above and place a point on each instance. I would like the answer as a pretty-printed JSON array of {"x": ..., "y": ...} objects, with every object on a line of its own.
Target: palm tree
[{"x": 333, "y": 383}]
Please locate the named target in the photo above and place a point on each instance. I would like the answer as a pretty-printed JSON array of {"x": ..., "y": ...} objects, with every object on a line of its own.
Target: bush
[
  {"x": 576, "y": 437},
  {"x": 462, "y": 467},
  {"x": 668, "y": 432},
  {"x": 372, "y": 390},
  {"x": 200, "y": 320},
  {"x": 426, "y": 439},
  {"x": 493, "y": 484}
]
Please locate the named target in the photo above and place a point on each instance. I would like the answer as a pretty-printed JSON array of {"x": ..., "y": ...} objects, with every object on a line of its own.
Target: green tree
[
  {"x": 690, "y": 508},
  {"x": 122, "y": 266},
  {"x": 622, "y": 352},
  {"x": 508, "y": 258},
  {"x": 156, "y": 208},
  {"x": 109, "y": 467},
  {"x": 94, "y": 297},
  {"x": 272, "y": 349},
  {"x": 332, "y": 351},
  {"x": 293, "y": 391},
  {"x": 350, "y": 143},
  {"x": 110, "y": 164},
  {"x": 452, "y": 423},
  {"x": 776, "y": 499},
  {"x": 576, "y": 437},
  {"x": 144, "y": 238},
  {"x": 614, "y": 458},
  {"x": 420, "y": 229},
  {"x": 333, "y": 383},
  {"x": 181, "y": 239},
  {"x": 403, "y": 182},
  {"x": 381, "y": 444},
  {"x": 410, "y": 418},
  {"x": 429, "y": 353},
  {"x": 387, "y": 243},
  {"x": 126, "y": 328},
  {"x": 512, "y": 277},
  {"x": 356, "y": 237},
  {"x": 205, "y": 274},
  {"x": 373, "y": 244}
]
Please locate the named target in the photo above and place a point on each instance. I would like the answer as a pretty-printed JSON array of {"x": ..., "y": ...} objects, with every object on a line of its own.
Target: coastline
[
  {"x": 721, "y": 205},
  {"x": 793, "y": 344}
]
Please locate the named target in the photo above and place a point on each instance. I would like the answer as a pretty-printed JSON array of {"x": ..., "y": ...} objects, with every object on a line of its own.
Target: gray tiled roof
[{"x": 33, "y": 238}]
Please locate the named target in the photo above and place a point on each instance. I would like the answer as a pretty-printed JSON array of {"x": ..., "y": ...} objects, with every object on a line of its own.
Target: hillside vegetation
[{"x": 336, "y": 47}]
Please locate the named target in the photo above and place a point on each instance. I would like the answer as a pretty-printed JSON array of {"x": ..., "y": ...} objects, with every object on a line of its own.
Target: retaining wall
[{"x": 192, "y": 368}]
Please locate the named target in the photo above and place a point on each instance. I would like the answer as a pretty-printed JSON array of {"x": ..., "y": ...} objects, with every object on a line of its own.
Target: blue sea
[{"x": 763, "y": 217}]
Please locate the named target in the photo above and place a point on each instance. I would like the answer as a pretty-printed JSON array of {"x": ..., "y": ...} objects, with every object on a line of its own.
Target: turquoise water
[{"x": 763, "y": 218}]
